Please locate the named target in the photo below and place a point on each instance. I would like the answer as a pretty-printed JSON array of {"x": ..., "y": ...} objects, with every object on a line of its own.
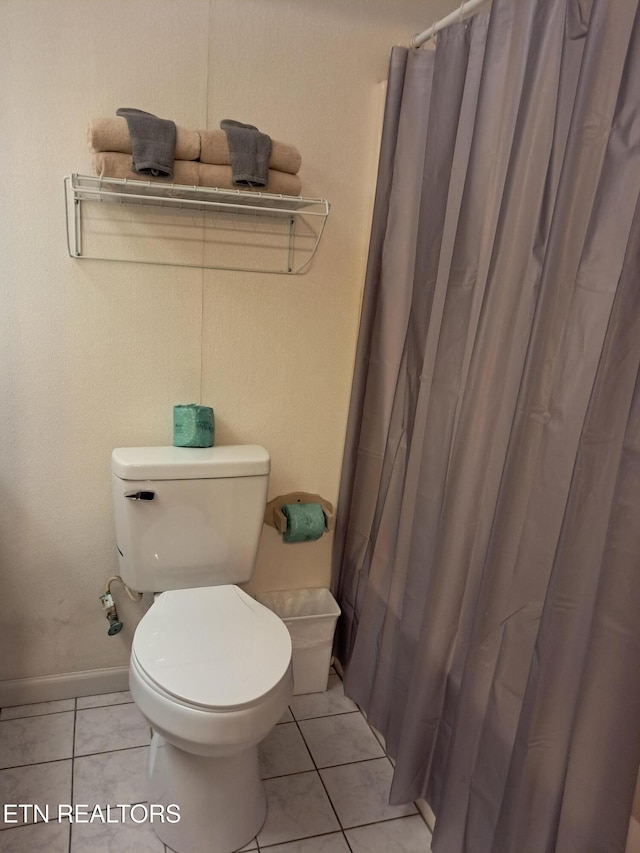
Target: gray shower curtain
[{"x": 487, "y": 549}]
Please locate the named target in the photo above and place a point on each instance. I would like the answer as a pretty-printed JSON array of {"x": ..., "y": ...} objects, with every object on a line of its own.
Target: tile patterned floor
[{"x": 326, "y": 775}]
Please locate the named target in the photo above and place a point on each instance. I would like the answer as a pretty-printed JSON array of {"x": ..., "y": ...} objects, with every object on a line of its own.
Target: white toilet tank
[{"x": 188, "y": 516}]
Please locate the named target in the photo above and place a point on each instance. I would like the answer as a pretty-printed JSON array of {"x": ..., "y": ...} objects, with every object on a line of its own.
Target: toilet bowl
[
  {"x": 211, "y": 671},
  {"x": 210, "y": 667}
]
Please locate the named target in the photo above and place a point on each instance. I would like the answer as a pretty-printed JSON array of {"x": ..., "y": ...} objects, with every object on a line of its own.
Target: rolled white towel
[
  {"x": 109, "y": 164},
  {"x": 214, "y": 150},
  {"x": 279, "y": 183},
  {"x": 112, "y": 134}
]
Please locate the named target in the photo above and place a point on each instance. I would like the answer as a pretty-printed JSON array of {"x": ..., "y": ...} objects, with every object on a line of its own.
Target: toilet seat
[{"x": 213, "y": 648}]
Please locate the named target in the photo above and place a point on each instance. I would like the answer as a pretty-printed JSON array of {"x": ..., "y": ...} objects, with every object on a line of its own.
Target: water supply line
[{"x": 109, "y": 605}]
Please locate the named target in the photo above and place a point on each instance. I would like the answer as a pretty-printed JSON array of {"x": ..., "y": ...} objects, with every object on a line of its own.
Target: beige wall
[{"x": 95, "y": 354}]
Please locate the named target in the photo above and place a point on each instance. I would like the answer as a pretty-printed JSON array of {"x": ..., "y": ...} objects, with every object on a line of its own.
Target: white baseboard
[
  {"x": 427, "y": 813},
  {"x": 67, "y": 685}
]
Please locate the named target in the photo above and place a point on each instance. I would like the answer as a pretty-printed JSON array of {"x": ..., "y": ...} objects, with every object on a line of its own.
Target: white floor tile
[
  {"x": 332, "y": 701},
  {"x": 360, "y": 792},
  {"x": 37, "y": 709},
  {"x": 298, "y": 807},
  {"x": 340, "y": 739},
  {"x": 405, "y": 835},
  {"x": 34, "y": 784},
  {"x": 284, "y": 751},
  {"x": 333, "y": 843},
  {"x": 287, "y": 717},
  {"x": 108, "y": 728},
  {"x": 104, "y": 699},
  {"x": 115, "y": 838},
  {"x": 252, "y": 845},
  {"x": 111, "y": 748},
  {"x": 36, "y": 739},
  {"x": 111, "y": 777},
  {"x": 34, "y": 838}
]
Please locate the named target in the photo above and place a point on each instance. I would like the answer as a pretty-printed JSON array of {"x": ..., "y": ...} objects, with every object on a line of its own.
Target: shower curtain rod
[{"x": 466, "y": 8}]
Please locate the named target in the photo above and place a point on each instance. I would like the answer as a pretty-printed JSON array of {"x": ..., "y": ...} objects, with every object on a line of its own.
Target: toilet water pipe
[{"x": 109, "y": 605}]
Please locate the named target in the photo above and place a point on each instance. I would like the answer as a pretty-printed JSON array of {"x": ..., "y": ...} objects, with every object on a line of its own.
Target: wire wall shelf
[{"x": 150, "y": 222}]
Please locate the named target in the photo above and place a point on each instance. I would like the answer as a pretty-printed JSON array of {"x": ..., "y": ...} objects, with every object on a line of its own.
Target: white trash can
[{"x": 310, "y": 615}]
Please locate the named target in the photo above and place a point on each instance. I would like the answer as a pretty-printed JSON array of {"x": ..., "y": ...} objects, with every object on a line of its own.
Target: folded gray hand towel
[
  {"x": 153, "y": 142},
  {"x": 249, "y": 152}
]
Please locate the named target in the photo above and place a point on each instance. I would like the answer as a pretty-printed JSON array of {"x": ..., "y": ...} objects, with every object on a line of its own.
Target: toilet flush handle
[{"x": 141, "y": 496}]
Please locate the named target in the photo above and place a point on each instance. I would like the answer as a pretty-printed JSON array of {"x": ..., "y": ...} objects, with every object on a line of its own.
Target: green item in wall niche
[{"x": 193, "y": 426}]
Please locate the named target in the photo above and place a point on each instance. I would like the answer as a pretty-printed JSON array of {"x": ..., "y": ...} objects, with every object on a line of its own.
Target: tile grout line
[
  {"x": 109, "y": 751},
  {"x": 324, "y": 716},
  {"x": 313, "y": 761},
  {"x": 328, "y": 766},
  {"x": 53, "y": 713},
  {"x": 266, "y": 848},
  {"x": 35, "y": 716},
  {"x": 344, "y": 834},
  {"x": 70, "y": 758},
  {"x": 73, "y": 753},
  {"x": 35, "y": 763}
]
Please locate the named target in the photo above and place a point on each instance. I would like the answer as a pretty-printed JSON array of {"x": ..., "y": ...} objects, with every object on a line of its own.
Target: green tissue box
[{"x": 193, "y": 426}]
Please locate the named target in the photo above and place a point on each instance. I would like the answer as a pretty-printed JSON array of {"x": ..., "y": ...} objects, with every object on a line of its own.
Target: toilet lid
[{"x": 213, "y": 646}]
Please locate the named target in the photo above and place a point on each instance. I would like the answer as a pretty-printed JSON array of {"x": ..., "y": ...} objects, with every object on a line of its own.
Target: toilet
[{"x": 210, "y": 667}]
